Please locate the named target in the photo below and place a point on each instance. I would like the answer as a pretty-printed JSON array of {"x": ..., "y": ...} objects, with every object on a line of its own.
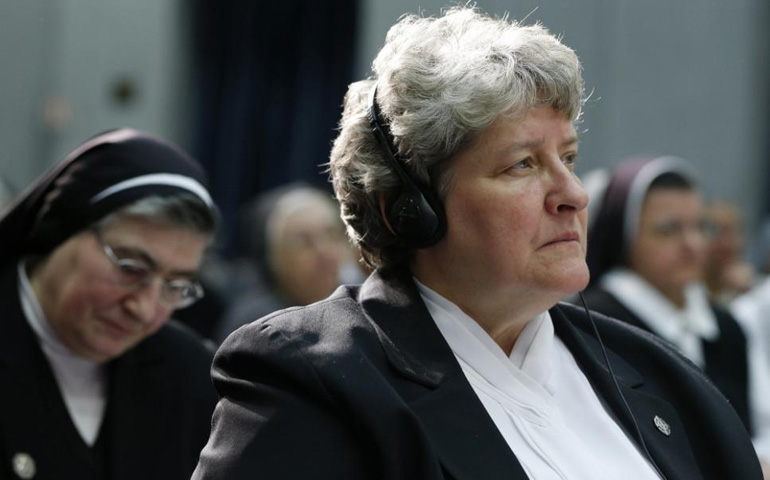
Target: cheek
[
  {"x": 104, "y": 297},
  {"x": 664, "y": 255},
  {"x": 293, "y": 264},
  {"x": 643, "y": 256},
  {"x": 160, "y": 319},
  {"x": 662, "y": 259},
  {"x": 492, "y": 217},
  {"x": 82, "y": 297}
]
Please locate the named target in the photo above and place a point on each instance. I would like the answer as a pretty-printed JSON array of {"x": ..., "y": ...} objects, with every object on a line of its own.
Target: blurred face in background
[
  {"x": 670, "y": 247},
  {"x": 307, "y": 247},
  {"x": 727, "y": 235},
  {"x": 726, "y": 274}
]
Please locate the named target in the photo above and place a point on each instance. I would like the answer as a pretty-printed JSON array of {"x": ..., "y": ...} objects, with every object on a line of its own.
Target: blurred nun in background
[
  {"x": 647, "y": 251},
  {"x": 97, "y": 254}
]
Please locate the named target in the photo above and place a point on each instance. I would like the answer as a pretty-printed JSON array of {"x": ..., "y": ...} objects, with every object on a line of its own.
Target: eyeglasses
[
  {"x": 134, "y": 274},
  {"x": 678, "y": 228}
]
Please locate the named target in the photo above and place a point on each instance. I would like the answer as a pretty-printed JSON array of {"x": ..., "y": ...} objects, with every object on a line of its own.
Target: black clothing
[
  {"x": 363, "y": 385},
  {"x": 159, "y": 406},
  {"x": 159, "y": 396}
]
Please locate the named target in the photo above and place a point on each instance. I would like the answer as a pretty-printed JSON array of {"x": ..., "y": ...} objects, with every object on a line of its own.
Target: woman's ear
[{"x": 382, "y": 212}]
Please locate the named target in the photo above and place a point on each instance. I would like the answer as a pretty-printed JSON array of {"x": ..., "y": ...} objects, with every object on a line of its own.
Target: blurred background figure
[
  {"x": 752, "y": 309},
  {"x": 759, "y": 250},
  {"x": 647, "y": 250},
  {"x": 96, "y": 255},
  {"x": 296, "y": 251},
  {"x": 727, "y": 275}
]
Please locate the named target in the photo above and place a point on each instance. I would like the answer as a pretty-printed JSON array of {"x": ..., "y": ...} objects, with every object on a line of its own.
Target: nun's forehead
[{"x": 101, "y": 176}]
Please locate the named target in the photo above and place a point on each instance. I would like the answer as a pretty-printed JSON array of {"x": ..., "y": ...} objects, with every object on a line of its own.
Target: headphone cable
[{"x": 637, "y": 430}]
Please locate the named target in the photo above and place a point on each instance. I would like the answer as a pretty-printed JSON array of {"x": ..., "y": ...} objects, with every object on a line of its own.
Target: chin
[
  {"x": 98, "y": 356},
  {"x": 107, "y": 352},
  {"x": 574, "y": 287},
  {"x": 573, "y": 278}
]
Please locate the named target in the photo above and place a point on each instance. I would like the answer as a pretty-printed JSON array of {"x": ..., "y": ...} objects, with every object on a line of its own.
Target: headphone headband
[
  {"x": 381, "y": 131},
  {"x": 415, "y": 215}
]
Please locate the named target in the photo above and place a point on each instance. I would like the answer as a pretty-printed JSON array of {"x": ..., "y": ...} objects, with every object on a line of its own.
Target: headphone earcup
[{"x": 416, "y": 217}]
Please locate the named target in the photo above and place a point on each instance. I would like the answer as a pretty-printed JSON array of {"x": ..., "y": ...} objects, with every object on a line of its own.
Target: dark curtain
[{"x": 271, "y": 77}]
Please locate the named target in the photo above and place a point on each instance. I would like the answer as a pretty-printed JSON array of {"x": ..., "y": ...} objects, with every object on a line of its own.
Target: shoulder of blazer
[{"x": 323, "y": 331}]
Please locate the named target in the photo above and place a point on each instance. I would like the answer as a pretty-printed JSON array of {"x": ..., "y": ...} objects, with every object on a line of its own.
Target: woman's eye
[
  {"x": 522, "y": 164},
  {"x": 570, "y": 160},
  {"x": 132, "y": 269}
]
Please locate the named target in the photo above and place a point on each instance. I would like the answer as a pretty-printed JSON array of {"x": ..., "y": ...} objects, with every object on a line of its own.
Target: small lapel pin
[
  {"x": 24, "y": 466},
  {"x": 662, "y": 426}
]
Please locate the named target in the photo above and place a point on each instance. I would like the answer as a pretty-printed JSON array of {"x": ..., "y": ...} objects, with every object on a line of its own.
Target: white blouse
[
  {"x": 540, "y": 400},
  {"x": 82, "y": 382}
]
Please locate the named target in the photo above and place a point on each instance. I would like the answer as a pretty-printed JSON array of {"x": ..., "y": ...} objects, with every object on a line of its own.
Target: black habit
[{"x": 159, "y": 404}]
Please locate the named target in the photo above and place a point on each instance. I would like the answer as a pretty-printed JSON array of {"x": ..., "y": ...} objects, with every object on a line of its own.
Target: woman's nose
[
  {"x": 144, "y": 302},
  {"x": 568, "y": 194}
]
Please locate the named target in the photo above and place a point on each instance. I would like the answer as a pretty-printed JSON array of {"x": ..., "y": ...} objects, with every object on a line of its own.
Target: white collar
[
  {"x": 33, "y": 312},
  {"x": 525, "y": 376},
  {"x": 539, "y": 399},
  {"x": 82, "y": 382},
  {"x": 682, "y": 327}
]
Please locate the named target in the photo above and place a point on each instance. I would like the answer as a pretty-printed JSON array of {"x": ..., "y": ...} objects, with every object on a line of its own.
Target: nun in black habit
[
  {"x": 294, "y": 243},
  {"x": 97, "y": 254},
  {"x": 647, "y": 245}
]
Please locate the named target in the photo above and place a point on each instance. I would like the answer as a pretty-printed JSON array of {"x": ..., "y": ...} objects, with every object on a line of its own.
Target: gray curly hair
[{"x": 440, "y": 82}]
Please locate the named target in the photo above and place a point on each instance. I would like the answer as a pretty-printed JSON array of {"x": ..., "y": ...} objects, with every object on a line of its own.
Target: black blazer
[
  {"x": 363, "y": 386},
  {"x": 158, "y": 411},
  {"x": 726, "y": 359}
]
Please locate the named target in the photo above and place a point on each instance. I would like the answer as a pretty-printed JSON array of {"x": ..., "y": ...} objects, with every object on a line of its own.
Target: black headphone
[{"x": 415, "y": 214}]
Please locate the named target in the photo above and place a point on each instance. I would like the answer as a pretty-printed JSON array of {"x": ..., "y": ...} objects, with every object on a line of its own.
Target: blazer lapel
[
  {"x": 467, "y": 441},
  {"x": 660, "y": 426}
]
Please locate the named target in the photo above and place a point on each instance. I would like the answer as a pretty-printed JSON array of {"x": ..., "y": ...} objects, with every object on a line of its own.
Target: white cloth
[
  {"x": 752, "y": 311},
  {"x": 540, "y": 400},
  {"x": 685, "y": 328},
  {"x": 83, "y": 383}
]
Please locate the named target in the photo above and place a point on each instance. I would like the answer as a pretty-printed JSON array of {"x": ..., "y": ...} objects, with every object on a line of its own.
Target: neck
[
  {"x": 502, "y": 314},
  {"x": 675, "y": 296}
]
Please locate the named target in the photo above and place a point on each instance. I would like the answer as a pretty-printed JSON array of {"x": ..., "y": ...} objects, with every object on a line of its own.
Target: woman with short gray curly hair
[
  {"x": 455, "y": 169},
  {"x": 440, "y": 82}
]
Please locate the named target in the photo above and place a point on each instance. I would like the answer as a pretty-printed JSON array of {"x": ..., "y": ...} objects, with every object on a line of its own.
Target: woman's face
[
  {"x": 516, "y": 216},
  {"x": 307, "y": 253},
  {"x": 727, "y": 236},
  {"x": 670, "y": 246},
  {"x": 77, "y": 285}
]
